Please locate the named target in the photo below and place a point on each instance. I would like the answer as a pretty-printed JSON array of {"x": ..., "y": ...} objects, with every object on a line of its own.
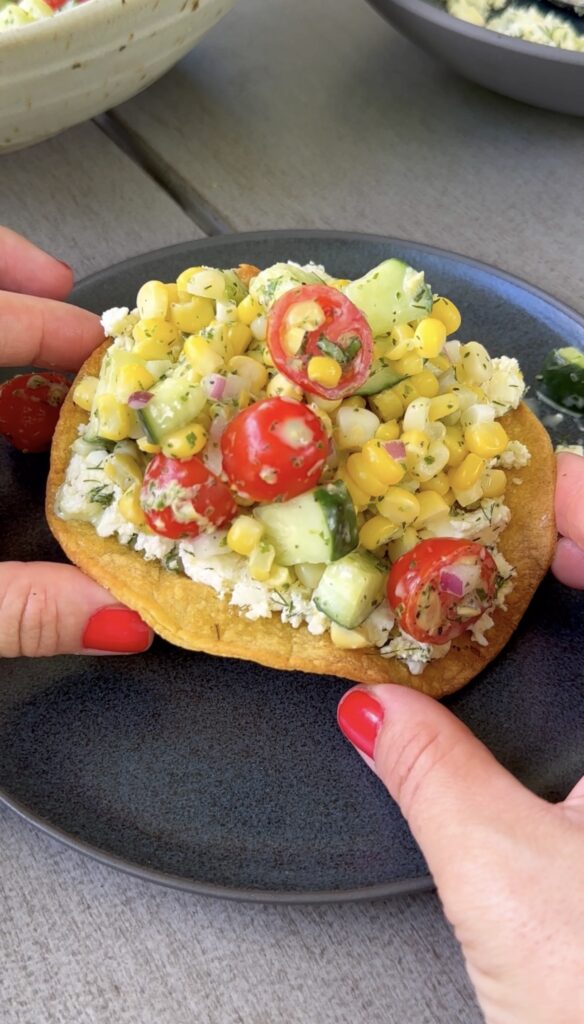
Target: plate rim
[{"x": 382, "y": 890}]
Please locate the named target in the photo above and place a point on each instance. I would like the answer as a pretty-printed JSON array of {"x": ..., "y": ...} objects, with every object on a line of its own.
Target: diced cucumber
[
  {"x": 317, "y": 526},
  {"x": 384, "y": 378},
  {"x": 563, "y": 378},
  {"x": 392, "y": 293},
  {"x": 350, "y": 589},
  {"x": 111, "y": 365},
  {"x": 174, "y": 403}
]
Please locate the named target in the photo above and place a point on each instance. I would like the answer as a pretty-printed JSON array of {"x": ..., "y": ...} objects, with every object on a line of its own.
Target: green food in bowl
[{"x": 531, "y": 22}]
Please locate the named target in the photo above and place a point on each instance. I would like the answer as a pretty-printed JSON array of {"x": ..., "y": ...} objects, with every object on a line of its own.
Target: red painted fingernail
[
  {"x": 117, "y": 630},
  {"x": 360, "y": 717}
]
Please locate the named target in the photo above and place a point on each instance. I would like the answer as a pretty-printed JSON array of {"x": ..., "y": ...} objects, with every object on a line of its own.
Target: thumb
[
  {"x": 54, "y": 609},
  {"x": 450, "y": 789}
]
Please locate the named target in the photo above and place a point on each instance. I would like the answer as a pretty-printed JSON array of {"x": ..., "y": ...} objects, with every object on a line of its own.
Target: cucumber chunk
[
  {"x": 379, "y": 381},
  {"x": 392, "y": 293},
  {"x": 318, "y": 526},
  {"x": 174, "y": 403},
  {"x": 563, "y": 378},
  {"x": 350, "y": 589}
]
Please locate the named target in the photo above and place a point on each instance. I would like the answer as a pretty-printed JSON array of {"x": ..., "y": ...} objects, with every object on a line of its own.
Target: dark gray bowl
[{"x": 541, "y": 75}]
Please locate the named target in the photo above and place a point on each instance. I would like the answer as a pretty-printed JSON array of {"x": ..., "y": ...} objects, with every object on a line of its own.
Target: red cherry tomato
[
  {"x": 182, "y": 498},
  {"x": 29, "y": 409},
  {"x": 441, "y": 587},
  {"x": 276, "y": 448},
  {"x": 345, "y": 335}
]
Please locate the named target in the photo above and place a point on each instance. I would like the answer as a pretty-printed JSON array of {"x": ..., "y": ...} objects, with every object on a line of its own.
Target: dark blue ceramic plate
[{"x": 225, "y": 778}]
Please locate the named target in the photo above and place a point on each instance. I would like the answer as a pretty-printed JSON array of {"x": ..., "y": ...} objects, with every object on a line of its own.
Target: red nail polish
[
  {"x": 360, "y": 717},
  {"x": 118, "y": 630}
]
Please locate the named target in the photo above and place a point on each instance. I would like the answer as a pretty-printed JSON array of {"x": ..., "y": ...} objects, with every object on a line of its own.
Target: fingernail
[
  {"x": 116, "y": 630},
  {"x": 360, "y": 717}
]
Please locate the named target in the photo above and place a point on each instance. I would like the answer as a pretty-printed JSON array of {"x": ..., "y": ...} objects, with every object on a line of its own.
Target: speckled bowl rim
[
  {"x": 254, "y": 895},
  {"x": 438, "y": 16}
]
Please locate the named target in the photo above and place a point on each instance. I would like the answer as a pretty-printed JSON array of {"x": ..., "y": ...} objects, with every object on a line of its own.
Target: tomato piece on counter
[
  {"x": 440, "y": 587},
  {"x": 295, "y": 338},
  {"x": 276, "y": 448},
  {"x": 29, "y": 409},
  {"x": 182, "y": 498}
]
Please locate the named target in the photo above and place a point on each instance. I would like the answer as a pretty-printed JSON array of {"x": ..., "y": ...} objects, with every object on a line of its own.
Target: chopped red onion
[
  {"x": 138, "y": 399},
  {"x": 396, "y": 449},
  {"x": 450, "y": 583},
  {"x": 214, "y": 385}
]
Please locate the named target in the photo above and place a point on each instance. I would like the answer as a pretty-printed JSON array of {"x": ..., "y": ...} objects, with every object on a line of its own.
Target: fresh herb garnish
[{"x": 101, "y": 495}]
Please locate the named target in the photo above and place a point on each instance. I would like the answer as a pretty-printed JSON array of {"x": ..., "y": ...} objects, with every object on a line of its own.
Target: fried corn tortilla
[{"x": 191, "y": 615}]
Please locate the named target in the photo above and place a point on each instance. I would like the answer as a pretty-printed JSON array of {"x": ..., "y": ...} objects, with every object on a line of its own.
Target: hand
[
  {"x": 52, "y": 609},
  {"x": 509, "y": 867}
]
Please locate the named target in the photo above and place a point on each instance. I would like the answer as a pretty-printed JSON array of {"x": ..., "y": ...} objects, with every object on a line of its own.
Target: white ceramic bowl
[{"x": 61, "y": 70}]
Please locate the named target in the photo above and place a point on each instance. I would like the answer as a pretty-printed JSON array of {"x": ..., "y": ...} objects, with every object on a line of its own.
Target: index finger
[
  {"x": 26, "y": 268},
  {"x": 43, "y": 332}
]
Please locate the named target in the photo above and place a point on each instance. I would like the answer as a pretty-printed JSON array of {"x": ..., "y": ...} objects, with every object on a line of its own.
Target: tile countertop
[{"x": 286, "y": 115}]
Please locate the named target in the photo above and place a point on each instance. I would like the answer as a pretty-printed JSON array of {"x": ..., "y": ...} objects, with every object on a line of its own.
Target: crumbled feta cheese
[
  {"x": 118, "y": 321},
  {"x": 515, "y": 456},
  {"x": 378, "y": 625},
  {"x": 483, "y": 524},
  {"x": 505, "y": 387},
  {"x": 479, "y": 628},
  {"x": 151, "y": 545},
  {"x": 415, "y": 654}
]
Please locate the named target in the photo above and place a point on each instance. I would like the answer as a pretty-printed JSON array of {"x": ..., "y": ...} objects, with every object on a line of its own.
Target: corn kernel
[
  {"x": 493, "y": 483},
  {"x": 237, "y": 338},
  {"x": 438, "y": 483},
  {"x": 192, "y": 316},
  {"x": 442, "y": 363},
  {"x": 416, "y": 414},
  {"x": 153, "y": 338},
  {"x": 443, "y": 405},
  {"x": 361, "y": 471},
  {"x": 132, "y": 377},
  {"x": 293, "y": 340},
  {"x": 279, "y": 385},
  {"x": 115, "y": 419},
  {"x": 172, "y": 292},
  {"x": 280, "y": 576},
  {"x": 469, "y": 495},
  {"x": 381, "y": 347},
  {"x": 406, "y": 391},
  {"x": 468, "y": 473},
  {"x": 402, "y": 332},
  {"x": 448, "y": 314},
  {"x": 486, "y": 439},
  {"x": 152, "y": 300},
  {"x": 354, "y": 402},
  {"x": 183, "y": 280},
  {"x": 130, "y": 508},
  {"x": 416, "y": 442},
  {"x": 323, "y": 417},
  {"x": 353, "y": 427},
  {"x": 208, "y": 283},
  {"x": 389, "y": 431},
  {"x": 253, "y": 373},
  {"x": 201, "y": 356},
  {"x": 375, "y": 532},
  {"x": 387, "y": 404},
  {"x": 432, "y": 505},
  {"x": 147, "y": 446},
  {"x": 261, "y": 561},
  {"x": 244, "y": 534},
  {"x": 409, "y": 365},
  {"x": 308, "y": 315},
  {"x": 429, "y": 337},
  {"x": 382, "y": 465},
  {"x": 84, "y": 393},
  {"x": 248, "y": 310},
  {"x": 329, "y": 405},
  {"x": 454, "y": 441},
  {"x": 324, "y": 370},
  {"x": 339, "y": 282},
  {"x": 433, "y": 463},
  {"x": 123, "y": 470},
  {"x": 401, "y": 545},
  {"x": 243, "y": 399},
  {"x": 399, "y": 505},
  {"x": 348, "y": 639},
  {"x": 425, "y": 384},
  {"x": 359, "y": 497},
  {"x": 475, "y": 363},
  {"x": 187, "y": 441}
]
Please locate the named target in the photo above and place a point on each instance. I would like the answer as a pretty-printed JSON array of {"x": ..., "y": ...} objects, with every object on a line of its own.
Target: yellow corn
[
  {"x": 468, "y": 473},
  {"x": 261, "y": 561},
  {"x": 323, "y": 417},
  {"x": 243, "y": 399},
  {"x": 469, "y": 495},
  {"x": 425, "y": 384},
  {"x": 324, "y": 370},
  {"x": 280, "y": 576},
  {"x": 387, "y": 404},
  {"x": 399, "y": 505},
  {"x": 132, "y": 377},
  {"x": 115, "y": 419},
  {"x": 147, "y": 446},
  {"x": 438, "y": 483},
  {"x": 253, "y": 373},
  {"x": 192, "y": 316},
  {"x": 441, "y": 363},
  {"x": 201, "y": 356},
  {"x": 305, "y": 314},
  {"x": 130, "y": 508},
  {"x": 432, "y": 505},
  {"x": 382, "y": 465},
  {"x": 237, "y": 337},
  {"x": 381, "y": 347},
  {"x": 84, "y": 393},
  {"x": 123, "y": 470},
  {"x": 375, "y": 532},
  {"x": 475, "y": 363},
  {"x": 493, "y": 483},
  {"x": 398, "y": 547},
  {"x": 348, "y": 639},
  {"x": 184, "y": 279},
  {"x": 153, "y": 338},
  {"x": 172, "y": 292},
  {"x": 244, "y": 535},
  {"x": 354, "y": 402},
  {"x": 388, "y": 431},
  {"x": 293, "y": 340},
  {"x": 486, "y": 439},
  {"x": 406, "y": 391},
  {"x": 280, "y": 385},
  {"x": 362, "y": 472},
  {"x": 339, "y": 282},
  {"x": 329, "y": 405},
  {"x": 443, "y": 405},
  {"x": 208, "y": 283},
  {"x": 416, "y": 442},
  {"x": 359, "y": 497},
  {"x": 445, "y": 311},
  {"x": 429, "y": 337},
  {"x": 454, "y": 441},
  {"x": 248, "y": 310},
  {"x": 409, "y": 365},
  {"x": 187, "y": 441},
  {"x": 152, "y": 300}
]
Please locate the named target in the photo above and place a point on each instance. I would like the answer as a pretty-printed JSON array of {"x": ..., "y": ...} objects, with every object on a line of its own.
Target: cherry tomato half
[
  {"x": 441, "y": 587},
  {"x": 276, "y": 448},
  {"x": 182, "y": 498},
  {"x": 29, "y": 409},
  {"x": 345, "y": 335}
]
